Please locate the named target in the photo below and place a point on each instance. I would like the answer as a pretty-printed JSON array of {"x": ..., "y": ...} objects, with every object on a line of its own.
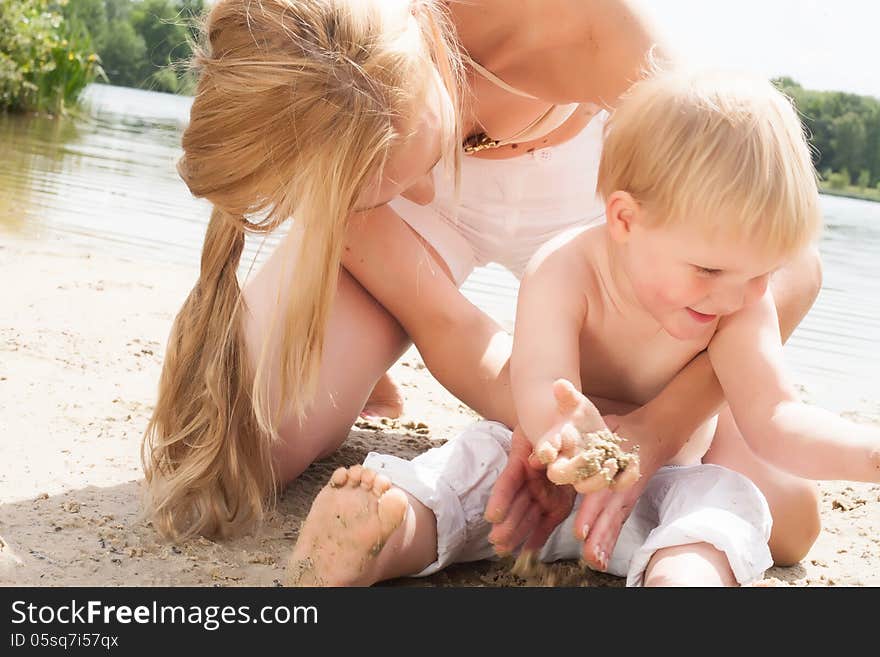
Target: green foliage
[
  {"x": 123, "y": 54},
  {"x": 89, "y": 17},
  {"x": 838, "y": 181},
  {"x": 51, "y": 49},
  {"x": 164, "y": 31},
  {"x": 118, "y": 10},
  {"x": 844, "y": 130},
  {"x": 142, "y": 43},
  {"x": 46, "y": 57},
  {"x": 864, "y": 179}
]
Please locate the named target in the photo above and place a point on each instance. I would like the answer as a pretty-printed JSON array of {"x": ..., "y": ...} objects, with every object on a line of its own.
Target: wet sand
[{"x": 81, "y": 345}]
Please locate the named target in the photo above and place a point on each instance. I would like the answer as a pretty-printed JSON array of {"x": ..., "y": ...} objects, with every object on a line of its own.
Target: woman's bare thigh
[{"x": 361, "y": 342}]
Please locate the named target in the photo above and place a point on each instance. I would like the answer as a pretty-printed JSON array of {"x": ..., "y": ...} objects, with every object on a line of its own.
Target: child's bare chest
[{"x": 627, "y": 361}]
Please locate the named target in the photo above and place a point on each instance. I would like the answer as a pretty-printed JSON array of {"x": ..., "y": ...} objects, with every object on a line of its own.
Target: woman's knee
[
  {"x": 796, "y": 288},
  {"x": 796, "y": 523}
]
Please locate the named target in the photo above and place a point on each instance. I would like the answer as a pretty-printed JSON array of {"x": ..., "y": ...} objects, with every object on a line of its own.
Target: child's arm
[
  {"x": 804, "y": 440},
  {"x": 551, "y": 309}
]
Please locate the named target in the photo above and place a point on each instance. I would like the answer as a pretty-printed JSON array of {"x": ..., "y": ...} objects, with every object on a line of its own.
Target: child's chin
[{"x": 686, "y": 329}]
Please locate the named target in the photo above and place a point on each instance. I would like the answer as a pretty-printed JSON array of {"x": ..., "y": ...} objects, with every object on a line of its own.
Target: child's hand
[{"x": 572, "y": 456}]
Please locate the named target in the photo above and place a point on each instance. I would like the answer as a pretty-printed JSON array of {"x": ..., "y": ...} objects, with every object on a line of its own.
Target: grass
[{"x": 851, "y": 191}]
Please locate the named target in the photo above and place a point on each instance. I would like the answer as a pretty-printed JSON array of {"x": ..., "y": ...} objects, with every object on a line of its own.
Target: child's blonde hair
[
  {"x": 723, "y": 151},
  {"x": 297, "y": 106}
]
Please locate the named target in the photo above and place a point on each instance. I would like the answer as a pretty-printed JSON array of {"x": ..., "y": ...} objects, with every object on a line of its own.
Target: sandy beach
[{"x": 81, "y": 345}]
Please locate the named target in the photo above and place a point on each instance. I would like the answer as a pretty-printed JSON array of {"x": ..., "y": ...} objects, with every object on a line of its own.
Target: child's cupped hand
[{"x": 579, "y": 449}]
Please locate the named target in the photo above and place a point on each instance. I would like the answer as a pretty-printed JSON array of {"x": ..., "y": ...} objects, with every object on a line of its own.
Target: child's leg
[
  {"x": 697, "y": 564},
  {"x": 412, "y": 518},
  {"x": 698, "y": 525},
  {"x": 794, "y": 502},
  {"x": 361, "y": 530}
]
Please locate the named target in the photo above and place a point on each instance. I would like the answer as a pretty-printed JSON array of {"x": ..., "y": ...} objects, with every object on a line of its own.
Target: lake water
[{"x": 106, "y": 181}]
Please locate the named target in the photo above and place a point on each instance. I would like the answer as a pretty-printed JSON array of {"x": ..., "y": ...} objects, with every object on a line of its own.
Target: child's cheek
[{"x": 674, "y": 292}]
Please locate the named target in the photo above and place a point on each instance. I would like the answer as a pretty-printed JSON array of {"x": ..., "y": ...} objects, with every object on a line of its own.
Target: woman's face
[{"x": 408, "y": 170}]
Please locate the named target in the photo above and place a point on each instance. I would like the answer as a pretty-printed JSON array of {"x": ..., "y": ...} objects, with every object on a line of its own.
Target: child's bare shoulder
[{"x": 568, "y": 254}]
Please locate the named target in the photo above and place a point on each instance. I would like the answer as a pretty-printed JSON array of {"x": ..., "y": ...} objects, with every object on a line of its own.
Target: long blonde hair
[{"x": 297, "y": 105}]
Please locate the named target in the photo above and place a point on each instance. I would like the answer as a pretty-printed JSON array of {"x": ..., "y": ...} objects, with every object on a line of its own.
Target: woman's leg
[
  {"x": 793, "y": 501},
  {"x": 697, "y": 564},
  {"x": 386, "y": 399},
  {"x": 362, "y": 341}
]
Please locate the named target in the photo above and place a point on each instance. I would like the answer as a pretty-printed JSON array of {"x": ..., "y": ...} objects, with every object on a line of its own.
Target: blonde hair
[
  {"x": 725, "y": 151},
  {"x": 297, "y": 106}
]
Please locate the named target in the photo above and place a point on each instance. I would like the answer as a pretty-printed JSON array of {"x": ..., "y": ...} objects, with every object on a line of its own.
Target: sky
[
  {"x": 823, "y": 44},
  {"x": 827, "y": 44}
]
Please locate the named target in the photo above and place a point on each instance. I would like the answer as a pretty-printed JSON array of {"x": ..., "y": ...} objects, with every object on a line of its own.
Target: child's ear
[{"x": 620, "y": 214}]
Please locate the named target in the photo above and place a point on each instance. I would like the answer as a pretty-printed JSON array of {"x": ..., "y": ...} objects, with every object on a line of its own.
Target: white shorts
[
  {"x": 681, "y": 505},
  {"x": 507, "y": 209}
]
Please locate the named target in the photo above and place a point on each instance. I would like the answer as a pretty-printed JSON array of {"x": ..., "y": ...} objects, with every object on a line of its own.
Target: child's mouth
[{"x": 701, "y": 317}]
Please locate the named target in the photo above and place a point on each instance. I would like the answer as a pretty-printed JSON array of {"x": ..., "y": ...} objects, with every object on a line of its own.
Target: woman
[{"x": 410, "y": 141}]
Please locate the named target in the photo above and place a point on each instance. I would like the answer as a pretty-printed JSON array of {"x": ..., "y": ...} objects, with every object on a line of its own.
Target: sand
[{"x": 81, "y": 345}]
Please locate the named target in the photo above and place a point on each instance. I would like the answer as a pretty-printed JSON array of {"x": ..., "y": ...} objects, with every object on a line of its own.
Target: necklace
[{"x": 479, "y": 142}]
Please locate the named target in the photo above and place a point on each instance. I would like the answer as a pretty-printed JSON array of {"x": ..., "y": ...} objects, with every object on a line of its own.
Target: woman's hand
[
  {"x": 524, "y": 504},
  {"x": 603, "y": 513}
]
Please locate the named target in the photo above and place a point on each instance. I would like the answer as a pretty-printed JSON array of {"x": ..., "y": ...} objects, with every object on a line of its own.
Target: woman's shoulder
[{"x": 562, "y": 51}]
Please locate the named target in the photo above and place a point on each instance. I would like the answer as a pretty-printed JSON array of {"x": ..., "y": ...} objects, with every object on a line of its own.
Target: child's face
[{"x": 687, "y": 281}]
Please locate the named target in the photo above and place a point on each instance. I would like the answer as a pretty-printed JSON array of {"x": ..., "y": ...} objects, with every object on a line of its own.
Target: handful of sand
[{"x": 600, "y": 452}]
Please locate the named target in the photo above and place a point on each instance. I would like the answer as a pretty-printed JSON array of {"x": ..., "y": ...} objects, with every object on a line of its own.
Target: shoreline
[
  {"x": 846, "y": 193},
  {"x": 83, "y": 338}
]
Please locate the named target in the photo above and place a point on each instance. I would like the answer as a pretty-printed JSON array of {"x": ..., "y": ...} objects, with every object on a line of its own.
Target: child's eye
[{"x": 707, "y": 271}]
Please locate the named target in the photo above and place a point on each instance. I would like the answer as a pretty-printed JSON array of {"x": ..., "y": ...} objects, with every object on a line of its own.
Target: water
[{"x": 106, "y": 181}]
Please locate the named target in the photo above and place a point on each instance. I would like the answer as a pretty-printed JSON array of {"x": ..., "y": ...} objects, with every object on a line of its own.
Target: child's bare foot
[
  {"x": 349, "y": 523},
  {"x": 386, "y": 399}
]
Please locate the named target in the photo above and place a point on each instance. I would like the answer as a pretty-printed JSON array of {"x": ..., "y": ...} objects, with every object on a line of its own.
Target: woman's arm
[
  {"x": 806, "y": 441},
  {"x": 465, "y": 349}
]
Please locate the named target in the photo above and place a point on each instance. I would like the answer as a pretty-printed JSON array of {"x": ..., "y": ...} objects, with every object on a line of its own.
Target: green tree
[
  {"x": 849, "y": 141},
  {"x": 165, "y": 34},
  {"x": 844, "y": 129},
  {"x": 864, "y": 178},
  {"x": 87, "y": 17},
  {"x": 45, "y": 59},
  {"x": 124, "y": 55},
  {"x": 118, "y": 10},
  {"x": 838, "y": 180}
]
